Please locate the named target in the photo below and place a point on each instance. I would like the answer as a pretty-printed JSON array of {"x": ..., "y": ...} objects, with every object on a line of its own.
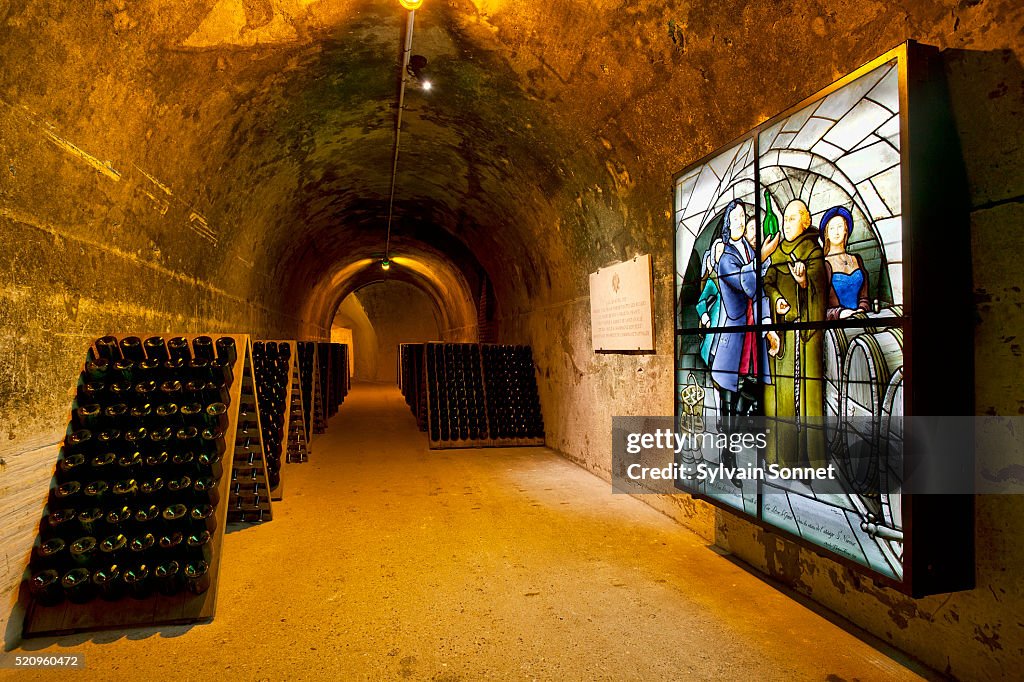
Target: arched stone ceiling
[{"x": 262, "y": 129}]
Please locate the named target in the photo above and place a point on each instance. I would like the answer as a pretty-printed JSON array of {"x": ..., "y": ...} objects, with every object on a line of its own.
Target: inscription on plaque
[{"x": 621, "y": 310}]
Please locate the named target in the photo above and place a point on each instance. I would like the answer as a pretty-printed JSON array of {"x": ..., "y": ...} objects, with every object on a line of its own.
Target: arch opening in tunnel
[
  {"x": 381, "y": 315},
  {"x": 452, "y": 286}
]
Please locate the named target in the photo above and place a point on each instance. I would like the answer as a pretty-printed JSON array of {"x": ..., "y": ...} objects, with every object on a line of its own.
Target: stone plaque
[{"x": 621, "y": 308}]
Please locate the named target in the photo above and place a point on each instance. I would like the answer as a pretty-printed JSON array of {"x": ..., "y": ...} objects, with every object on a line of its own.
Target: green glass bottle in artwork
[{"x": 770, "y": 226}]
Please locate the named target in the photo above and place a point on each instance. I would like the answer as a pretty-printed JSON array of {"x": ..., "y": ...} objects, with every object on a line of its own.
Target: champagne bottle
[
  {"x": 197, "y": 576},
  {"x": 97, "y": 370},
  {"x": 83, "y": 549},
  {"x": 114, "y": 547},
  {"x": 90, "y": 520},
  {"x": 107, "y": 580},
  {"x": 131, "y": 349},
  {"x": 45, "y": 587},
  {"x": 169, "y": 544},
  {"x": 52, "y": 553},
  {"x": 142, "y": 543},
  {"x": 66, "y": 493},
  {"x": 95, "y": 490},
  {"x": 770, "y": 226},
  {"x": 200, "y": 545},
  {"x": 106, "y": 347},
  {"x": 137, "y": 580},
  {"x": 203, "y": 348},
  {"x": 117, "y": 519},
  {"x": 226, "y": 351},
  {"x": 168, "y": 577},
  {"x": 69, "y": 466},
  {"x": 178, "y": 348},
  {"x": 156, "y": 349},
  {"x": 77, "y": 585}
]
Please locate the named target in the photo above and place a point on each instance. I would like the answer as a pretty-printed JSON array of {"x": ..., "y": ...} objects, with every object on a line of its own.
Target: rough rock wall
[
  {"x": 352, "y": 315},
  {"x": 399, "y": 313}
]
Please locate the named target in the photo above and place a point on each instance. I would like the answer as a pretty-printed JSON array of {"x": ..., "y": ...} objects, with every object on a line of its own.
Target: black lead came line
[{"x": 895, "y": 322}]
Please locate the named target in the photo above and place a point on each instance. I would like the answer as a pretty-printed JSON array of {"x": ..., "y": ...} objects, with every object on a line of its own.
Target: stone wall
[{"x": 970, "y": 635}]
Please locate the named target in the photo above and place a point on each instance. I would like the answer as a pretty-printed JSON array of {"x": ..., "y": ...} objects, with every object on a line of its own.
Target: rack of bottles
[
  {"x": 513, "y": 406},
  {"x": 297, "y": 447},
  {"x": 249, "y": 500},
  {"x": 272, "y": 361},
  {"x": 134, "y": 519},
  {"x": 308, "y": 379},
  {"x": 323, "y": 359},
  {"x": 332, "y": 361},
  {"x": 480, "y": 395},
  {"x": 410, "y": 380},
  {"x": 339, "y": 376}
]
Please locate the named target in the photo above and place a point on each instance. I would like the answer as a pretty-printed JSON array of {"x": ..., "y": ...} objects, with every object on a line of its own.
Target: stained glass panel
[{"x": 796, "y": 317}]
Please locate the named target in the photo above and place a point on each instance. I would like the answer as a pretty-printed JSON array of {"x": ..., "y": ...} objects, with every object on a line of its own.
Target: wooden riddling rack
[
  {"x": 493, "y": 388},
  {"x": 249, "y": 499},
  {"x": 297, "y": 448},
  {"x": 340, "y": 380},
  {"x": 157, "y": 609},
  {"x": 274, "y": 362},
  {"x": 332, "y": 361},
  {"x": 410, "y": 381},
  {"x": 319, "y": 401},
  {"x": 308, "y": 373},
  {"x": 323, "y": 368}
]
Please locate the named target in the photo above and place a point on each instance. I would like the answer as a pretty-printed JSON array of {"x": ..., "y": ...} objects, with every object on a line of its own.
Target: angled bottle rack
[
  {"x": 297, "y": 448},
  {"x": 319, "y": 411},
  {"x": 326, "y": 360},
  {"x": 274, "y": 361},
  {"x": 307, "y": 369},
  {"x": 411, "y": 380},
  {"x": 338, "y": 380},
  {"x": 144, "y": 475},
  {"x": 249, "y": 499},
  {"x": 480, "y": 395}
]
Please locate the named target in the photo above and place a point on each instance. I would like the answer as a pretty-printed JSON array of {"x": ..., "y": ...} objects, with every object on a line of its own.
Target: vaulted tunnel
[{"x": 225, "y": 166}]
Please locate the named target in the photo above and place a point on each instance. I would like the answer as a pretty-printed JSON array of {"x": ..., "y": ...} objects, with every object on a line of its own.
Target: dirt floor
[{"x": 388, "y": 561}]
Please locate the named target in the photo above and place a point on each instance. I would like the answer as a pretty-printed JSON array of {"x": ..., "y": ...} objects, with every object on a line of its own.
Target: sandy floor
[{"x": 387, "y": 561}]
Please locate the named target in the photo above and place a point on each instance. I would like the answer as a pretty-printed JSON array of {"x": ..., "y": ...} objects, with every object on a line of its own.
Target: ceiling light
[{"x": 385, "y": 264}]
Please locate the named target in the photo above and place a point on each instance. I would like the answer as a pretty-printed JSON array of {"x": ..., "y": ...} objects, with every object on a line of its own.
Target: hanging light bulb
[{"x": 385, "y": 264}]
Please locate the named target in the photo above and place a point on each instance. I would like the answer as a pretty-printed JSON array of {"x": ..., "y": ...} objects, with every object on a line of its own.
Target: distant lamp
[
  {"x": 385, "y": 264},
  {"x": 410, "y": 5},
  {"x": 427, "y": 85}
]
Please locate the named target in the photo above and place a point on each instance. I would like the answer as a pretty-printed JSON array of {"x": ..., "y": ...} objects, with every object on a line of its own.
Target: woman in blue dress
[{"x": 848, "y": 292}]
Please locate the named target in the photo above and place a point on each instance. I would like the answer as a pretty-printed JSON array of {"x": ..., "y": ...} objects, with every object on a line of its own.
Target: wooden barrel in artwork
[
  {"x": 870, "y": 363},
  {"x": 835, "y": 343},
  {"x": 885, "y": 317},
  {"x": 891, "y": 466}
]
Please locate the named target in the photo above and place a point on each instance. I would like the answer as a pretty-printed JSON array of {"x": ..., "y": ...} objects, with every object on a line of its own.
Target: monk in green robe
[{"x": 797, "y": 288}]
